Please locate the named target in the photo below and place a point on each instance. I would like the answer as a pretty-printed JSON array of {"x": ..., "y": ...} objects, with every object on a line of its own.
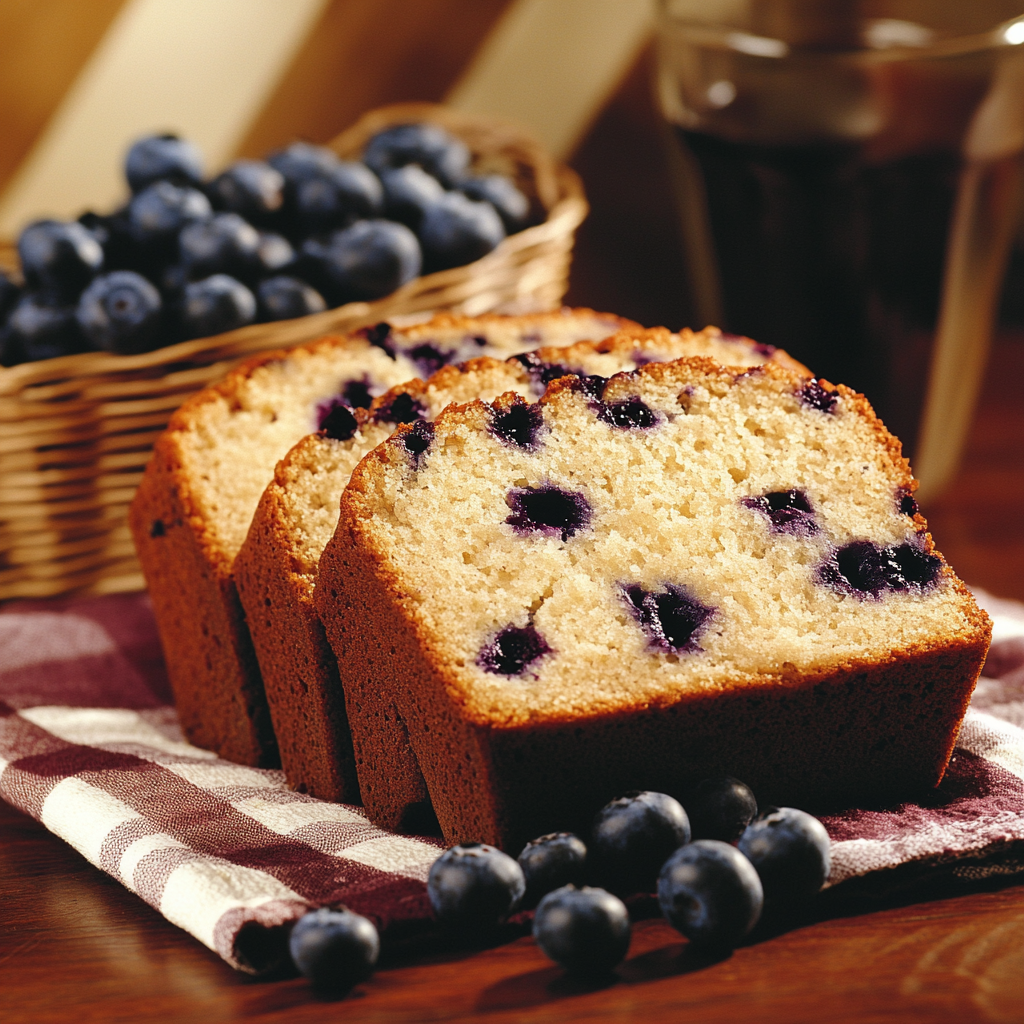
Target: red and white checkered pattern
[{"x": 90, "y": 746}]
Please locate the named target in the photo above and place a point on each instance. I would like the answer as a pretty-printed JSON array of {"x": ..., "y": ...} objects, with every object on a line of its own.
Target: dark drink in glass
[{"x": 849, "y": 183}]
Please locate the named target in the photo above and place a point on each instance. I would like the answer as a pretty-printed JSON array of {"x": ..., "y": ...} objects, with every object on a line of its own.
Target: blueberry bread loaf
[
  {"x": 275, "y": 570},
  {"x": 683, "y": 571},
  {"x": 211, "y": 465}
]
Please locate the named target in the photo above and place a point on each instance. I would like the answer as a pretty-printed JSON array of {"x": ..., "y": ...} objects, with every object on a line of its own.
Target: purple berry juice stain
[
  {"x": 519, "y": 425},
  {"x": 813, "y": 395},
  {"x": 403, "y": 408},
  {"x": 379, "y": 336},
  {"x": 787, "y": 511},
  {"x": 671, "y": 618},
  {"x": 867, "y": 569},
  {"x": 513, "y": 650},
  {"x": 632, "y": 414},
  {"x": 417, "y": 441},
  {"x": 340, "y": 423},
  {"x": 548, "y": 510}
]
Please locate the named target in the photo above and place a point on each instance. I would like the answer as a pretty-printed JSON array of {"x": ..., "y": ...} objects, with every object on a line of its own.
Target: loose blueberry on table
[
  {"x": 633, "y": 836},
  {"x": 720, "y": 808},
  {"x": 585, "y": 930},
  {"x": 551, "y": 861},
  {"x": 334, "y": 949},
  {"x": 711, "y": 893},
  {"x": 791, "y": 852},
  {"x": 474, "y": 887}
]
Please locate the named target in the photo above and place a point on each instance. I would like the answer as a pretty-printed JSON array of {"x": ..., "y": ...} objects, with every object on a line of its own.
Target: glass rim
[{"x": 1006, "y": 35}]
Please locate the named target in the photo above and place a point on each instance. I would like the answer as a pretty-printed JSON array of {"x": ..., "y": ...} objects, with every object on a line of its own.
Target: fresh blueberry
[
  {"x": 59, "y": 258},
  {"x": 791, "y": 852},
  {"x": 251, "y": 188},
  {"x": 711, "y": 893},
  {"x": 512, "y": 206},
  {"x": 632, "y": 414},
  {"x": 720, "y": 808},
  {"x": 334, "y": 198},
  {"x": 158, "y": 213},
  {"x": 434, "y": 149},
  {"x": 162, "y": 158},
  {"x": 334, "y": 949},
  {"x": 671, "y": 618},
  {"x": 550, "y": 862},
  {"x": 40, "y": 328},
  {"x": 338, "y": 422},
  {"x": 813, "y": 395},
  {"x": 474, "y": 886},
  {"x": 214, "y": 305},
  {"x": 457, "y": 230},
  {"x": 585, "y": 930},
  {"x": 787, "y": 511},
  {"x": 518, "y": 424},
  {"x": 224, "y": 244},
  {"x": 548, "y": 510},
  {"x": 408, "y": 193},
  {"x": 368, "y": 260},
  {"x": 120, "y": 312},
  {"x": 284, "y": 298},
  {"x": 301, "y": 160},
  {"x": 9, "y": 294},
  {"x": 275, "y": 254},
  {"x": 865, "y": 568},
  {"x": 512, "y": 651},
  {"x": 633, "y": 836}
]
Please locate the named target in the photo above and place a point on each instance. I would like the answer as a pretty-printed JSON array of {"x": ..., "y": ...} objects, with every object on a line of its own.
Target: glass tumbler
[{"x": 849, "y": 177}]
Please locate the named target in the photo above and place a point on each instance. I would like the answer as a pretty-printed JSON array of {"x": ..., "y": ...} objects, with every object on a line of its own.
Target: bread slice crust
[
  {"x": 208, "y": 469},
  {"x": 276, "y": 568},
  {"x": 505, "y": 761}
]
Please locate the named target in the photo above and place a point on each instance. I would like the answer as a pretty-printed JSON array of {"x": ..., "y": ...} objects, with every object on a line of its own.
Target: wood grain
[{"x": 75, "y": 945}]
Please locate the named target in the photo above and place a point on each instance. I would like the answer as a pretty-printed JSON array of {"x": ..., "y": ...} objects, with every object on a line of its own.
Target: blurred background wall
[{"x": 80, "y": 78}]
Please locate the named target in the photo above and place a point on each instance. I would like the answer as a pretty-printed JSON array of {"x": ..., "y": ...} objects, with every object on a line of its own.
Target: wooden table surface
[{"x": 76, "y": 946}]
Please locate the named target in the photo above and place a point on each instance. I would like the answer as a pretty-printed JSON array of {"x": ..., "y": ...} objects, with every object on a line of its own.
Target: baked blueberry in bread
[
  {"x": 687, "y": 570},
  {"x": 209, "y": 468},
  {"x": 276, "y": 568}
]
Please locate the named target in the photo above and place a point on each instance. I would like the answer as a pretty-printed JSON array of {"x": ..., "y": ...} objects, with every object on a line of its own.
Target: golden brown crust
[
  {"x": 876, "y": 728},
  {"x": 189, "y": 571},
  {"x": 298, "y": 670},
  {"x": 201, "y": 623}
]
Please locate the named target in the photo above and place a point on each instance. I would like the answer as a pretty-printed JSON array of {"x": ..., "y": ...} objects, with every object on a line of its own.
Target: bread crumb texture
[
  {"x": 664, "y": 505},
  {"x": 230, "y": 437}
]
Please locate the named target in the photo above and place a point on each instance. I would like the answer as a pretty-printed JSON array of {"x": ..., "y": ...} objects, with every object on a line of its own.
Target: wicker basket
[{"x": 76, "y": 431}]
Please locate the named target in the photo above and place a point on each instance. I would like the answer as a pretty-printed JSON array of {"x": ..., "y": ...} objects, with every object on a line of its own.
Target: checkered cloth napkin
[{"x": 90, "y": 746}]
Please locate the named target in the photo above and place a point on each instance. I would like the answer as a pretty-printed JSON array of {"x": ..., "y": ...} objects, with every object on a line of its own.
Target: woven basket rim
[{"x": 566, "y": 209}]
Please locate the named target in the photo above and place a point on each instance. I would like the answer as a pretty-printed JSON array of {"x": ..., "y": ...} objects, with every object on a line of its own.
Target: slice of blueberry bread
[
  {"x": 209, "y": 468},
  {"x": 275, "y": 570},
  {"x": 683, "y": 571}
]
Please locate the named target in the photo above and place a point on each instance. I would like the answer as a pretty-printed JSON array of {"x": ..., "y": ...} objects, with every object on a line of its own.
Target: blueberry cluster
[
  {"x": 266, "y": 240},
  {"x": 714, "y": 870}
]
